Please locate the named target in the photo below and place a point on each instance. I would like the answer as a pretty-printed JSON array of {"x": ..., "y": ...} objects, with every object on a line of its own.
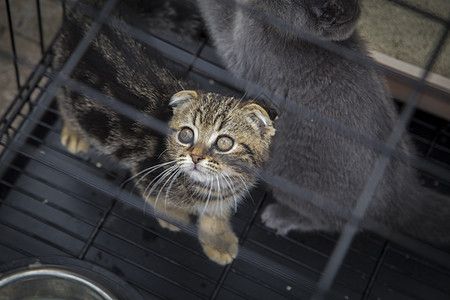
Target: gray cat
[{"x": 306, "y": 151}]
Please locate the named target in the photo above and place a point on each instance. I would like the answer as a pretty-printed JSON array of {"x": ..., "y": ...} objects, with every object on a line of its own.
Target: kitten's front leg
[
  {"x": 217, "y": 238},
  {"x": 174, "y": 213},
  {"x": 178, "y": 216},
  {"x": 72, "y": 140}
]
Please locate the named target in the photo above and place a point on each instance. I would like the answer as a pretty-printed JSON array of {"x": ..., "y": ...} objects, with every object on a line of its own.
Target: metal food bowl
[{"x": 61, "y": 279}]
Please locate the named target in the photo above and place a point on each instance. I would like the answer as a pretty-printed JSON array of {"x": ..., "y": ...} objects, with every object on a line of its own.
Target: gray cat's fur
[{"x": 309, "y": 153}]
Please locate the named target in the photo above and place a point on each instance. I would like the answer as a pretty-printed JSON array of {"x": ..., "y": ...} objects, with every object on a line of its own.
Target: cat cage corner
[{"x": 68, "y": 211}]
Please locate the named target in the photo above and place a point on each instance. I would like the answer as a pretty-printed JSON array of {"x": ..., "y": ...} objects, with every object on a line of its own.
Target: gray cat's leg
[
  {"x": 281, "y": 218},
  {"x": 284, "y": 219}
]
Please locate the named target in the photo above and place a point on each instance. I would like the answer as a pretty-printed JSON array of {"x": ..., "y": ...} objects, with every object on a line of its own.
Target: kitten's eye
[
  {"x": 224, "y": 143},
  {"x": 186, "y": 135}
]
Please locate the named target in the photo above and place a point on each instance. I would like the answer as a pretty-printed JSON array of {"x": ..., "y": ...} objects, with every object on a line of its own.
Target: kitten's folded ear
[
  {"x": 182, "y": 98},
  {"x": 272, "y": 112},
  {"x": 260, "y": 118}
]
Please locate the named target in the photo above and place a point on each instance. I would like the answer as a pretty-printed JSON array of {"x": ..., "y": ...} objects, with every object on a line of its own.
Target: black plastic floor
[{"x": 56, "y": 204}]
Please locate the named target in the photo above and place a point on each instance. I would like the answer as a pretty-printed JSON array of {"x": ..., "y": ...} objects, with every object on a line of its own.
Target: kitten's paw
[
  {"x": 178, "y": 216},
  {"x": 169, "y": 226},
  {"x": 73, "y": 141},
  {"x": 222, "y": 249},
  {"x": 278, "y": 217}
]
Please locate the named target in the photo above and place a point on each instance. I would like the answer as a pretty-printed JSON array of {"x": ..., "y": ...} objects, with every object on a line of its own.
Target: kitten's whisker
[
  {"x": 146, "y": 197},
  {"x": 166, "y": 173},
  {"x": 219, "y": 195},
  {"x": 175, "y": 171},
  {"x": 150, "y": 186},
  {"x": 233, "y": 190},
  {"x": 149, "y": 169},
  {"x": 243, "y": 167},
  {"x": 207, "y": 200},
  {"x": 236, "y": 105},
  {"x": 178, "y": 82},
  {"x": 161, "y": 178},
  {"x": 159, "y": 156},
  {"x": 228, "y": 180},
  {"x": 243, "y": 96},
  {"x": 142, "y": 178},
  {"x": 246, "y": 188},
  {"x": 146, "y": 170},
  {"x": 151, "y": 182}
]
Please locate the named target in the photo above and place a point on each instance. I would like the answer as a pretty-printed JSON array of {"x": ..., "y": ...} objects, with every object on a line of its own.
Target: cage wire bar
[
  {"x": 318, "y": 288},
  {"x": 13, "y": 44}
]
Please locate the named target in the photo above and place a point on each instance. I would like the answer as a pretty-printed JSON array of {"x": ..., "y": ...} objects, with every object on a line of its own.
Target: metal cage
[{"x": 53, "y": 203}]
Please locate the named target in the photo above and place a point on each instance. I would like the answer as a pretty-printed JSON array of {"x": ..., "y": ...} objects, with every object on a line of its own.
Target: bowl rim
[
  {"x": 55, "y": 272},
  {"x": 89, "y": 273}
]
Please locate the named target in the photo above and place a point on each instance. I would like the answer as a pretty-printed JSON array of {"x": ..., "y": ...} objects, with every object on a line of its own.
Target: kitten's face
[{"x": 216, "y": 140}]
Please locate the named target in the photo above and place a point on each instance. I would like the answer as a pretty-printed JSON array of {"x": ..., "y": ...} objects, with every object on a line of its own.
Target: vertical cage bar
[
  {"x": 41, "y": 31},
  {"x": 13, "y": 44}
]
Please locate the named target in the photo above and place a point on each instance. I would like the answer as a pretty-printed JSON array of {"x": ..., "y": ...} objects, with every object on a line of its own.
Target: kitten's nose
[{"x": 196, "y": 158}]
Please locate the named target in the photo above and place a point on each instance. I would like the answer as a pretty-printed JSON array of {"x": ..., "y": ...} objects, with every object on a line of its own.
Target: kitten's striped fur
[{"x": 204, "y": 166}]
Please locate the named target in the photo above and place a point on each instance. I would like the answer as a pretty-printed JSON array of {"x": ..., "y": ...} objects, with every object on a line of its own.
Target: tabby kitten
[{"x": 204, "y": 166}]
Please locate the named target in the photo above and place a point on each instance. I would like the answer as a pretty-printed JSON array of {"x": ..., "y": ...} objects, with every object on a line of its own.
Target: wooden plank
[{"x": 438, "y": 105}]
